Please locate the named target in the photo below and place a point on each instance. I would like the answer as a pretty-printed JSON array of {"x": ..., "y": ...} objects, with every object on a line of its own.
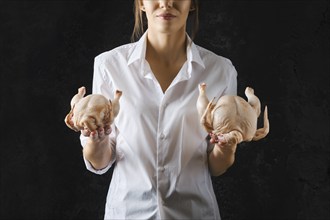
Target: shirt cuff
[{"x": 93, "y": 170}]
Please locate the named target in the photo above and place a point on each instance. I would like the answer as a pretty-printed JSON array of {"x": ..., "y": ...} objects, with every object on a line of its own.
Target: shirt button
[
  {"x": 162, "y": 136},
  {"x": 165, "y": 105}
]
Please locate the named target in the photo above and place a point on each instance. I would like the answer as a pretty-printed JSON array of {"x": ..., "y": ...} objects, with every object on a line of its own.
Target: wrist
[{"x": 224, "y": 149}]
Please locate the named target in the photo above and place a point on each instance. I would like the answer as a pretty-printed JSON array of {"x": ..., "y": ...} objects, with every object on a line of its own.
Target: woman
[{"x": 164, "y": 160}]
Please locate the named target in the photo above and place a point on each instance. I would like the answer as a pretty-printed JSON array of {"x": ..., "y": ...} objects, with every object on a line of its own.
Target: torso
[
  {"x": 160, "y": 145},
  {"x": 165, "y": 73}
]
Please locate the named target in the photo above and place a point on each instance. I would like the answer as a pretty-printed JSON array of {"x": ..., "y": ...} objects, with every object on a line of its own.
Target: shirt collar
[
  {"x": 139, "y": 53},
  {"x": 193, "y": 55}
]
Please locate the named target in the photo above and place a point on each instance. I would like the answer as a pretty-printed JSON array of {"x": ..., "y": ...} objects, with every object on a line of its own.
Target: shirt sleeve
[
  {"x": 231, "y": 88},
  {"x": 101, "y": 85},
  {"x": 101, "y": 82}
]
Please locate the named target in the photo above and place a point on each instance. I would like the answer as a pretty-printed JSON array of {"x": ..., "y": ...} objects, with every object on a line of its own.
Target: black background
[{"x": 281, "y": 48}]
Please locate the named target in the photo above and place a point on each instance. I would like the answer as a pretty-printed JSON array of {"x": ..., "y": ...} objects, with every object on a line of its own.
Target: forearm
[
  {"x": 221, "y": 158},
  {"x": 98, "y": 153}
]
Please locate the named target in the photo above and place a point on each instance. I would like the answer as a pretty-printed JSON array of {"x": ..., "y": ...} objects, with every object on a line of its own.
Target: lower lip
[{"x": 167, "y": 18}]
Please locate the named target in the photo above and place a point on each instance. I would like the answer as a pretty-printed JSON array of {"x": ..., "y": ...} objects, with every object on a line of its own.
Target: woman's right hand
[
  {"x": 97, "y": 135},
  {"x": 97, "y": 149}
]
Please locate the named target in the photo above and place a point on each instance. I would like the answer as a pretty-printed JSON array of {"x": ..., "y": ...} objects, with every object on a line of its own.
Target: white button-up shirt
[{"x": 158, "y": 143}]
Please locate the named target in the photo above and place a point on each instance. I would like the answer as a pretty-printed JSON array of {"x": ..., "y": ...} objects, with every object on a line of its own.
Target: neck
[{"x": 166, "y": 47}]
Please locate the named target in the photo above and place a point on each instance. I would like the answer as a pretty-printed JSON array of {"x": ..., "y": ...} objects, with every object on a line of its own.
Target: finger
[
  {"x": 101, "y": 132},
  {"x": 86, "y": 132},
  {"x": 213, "y": 138},
  {"x": 94, "y": 135},
  {"x": 107, "y": 130},
  {"x": 221, "y": 140}
]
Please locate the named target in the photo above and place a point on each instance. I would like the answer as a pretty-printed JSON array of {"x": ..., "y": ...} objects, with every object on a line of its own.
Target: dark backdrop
[{"x": 281, "y": 48}]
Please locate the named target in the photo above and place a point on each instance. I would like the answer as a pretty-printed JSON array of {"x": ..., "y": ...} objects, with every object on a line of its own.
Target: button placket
[
  {"x": 165, "y": 105},
  {"x": 161, "y": 149}
]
